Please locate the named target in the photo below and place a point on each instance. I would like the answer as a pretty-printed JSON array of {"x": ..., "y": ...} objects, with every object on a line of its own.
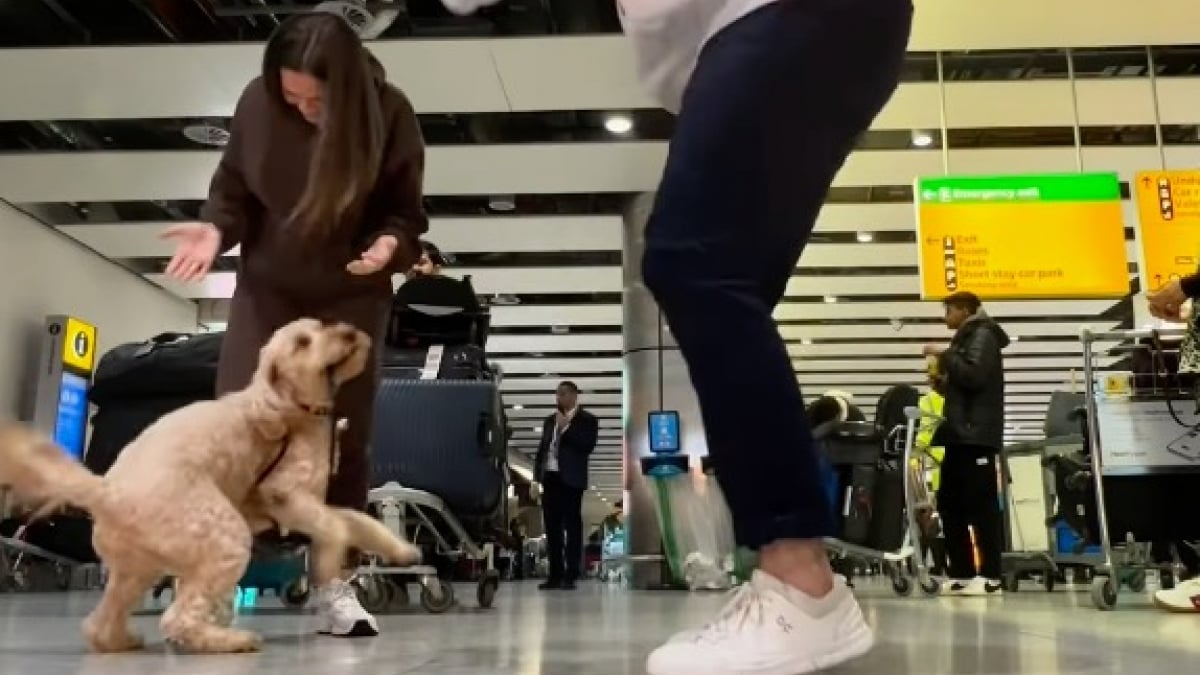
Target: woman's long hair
[{"x": 349, "y": 152}]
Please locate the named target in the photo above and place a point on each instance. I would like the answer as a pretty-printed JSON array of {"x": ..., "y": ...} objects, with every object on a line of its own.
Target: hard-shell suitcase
[{"x": 445, "y": 437}]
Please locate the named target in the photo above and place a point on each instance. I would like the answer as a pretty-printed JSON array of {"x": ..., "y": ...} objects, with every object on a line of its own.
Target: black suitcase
[
  {"x": 445, "y": 437},
  {"x": 166, "y": 365},
  {"x": 119, "y": 421},
  {"x": 437, "y": 309},
  {"x": 462, "y": 362}
]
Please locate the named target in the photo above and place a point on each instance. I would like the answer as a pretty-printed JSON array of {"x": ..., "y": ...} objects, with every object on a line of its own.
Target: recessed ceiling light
[
  {"x": 806, "y": 341},
  {"x": 865, "y": 237},
  {"x": 502, "y": 203},
  {"x": 618, "y": 124},
  {"x": 536, "y": 427},
  {"x": 922, "y": 139},
  {"x": 1015, "y": 338},
  {"x": 518, "y": 407},
  {"x": 831, "y": 299}
]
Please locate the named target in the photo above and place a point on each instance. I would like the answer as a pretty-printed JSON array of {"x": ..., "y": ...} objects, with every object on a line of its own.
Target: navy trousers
[{"x": 774, "y": 107}]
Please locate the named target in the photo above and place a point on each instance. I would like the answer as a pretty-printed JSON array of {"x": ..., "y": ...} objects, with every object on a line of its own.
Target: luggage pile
[
  {"x": 139, "y": 382},
  {"x": 439, "y": 420}
]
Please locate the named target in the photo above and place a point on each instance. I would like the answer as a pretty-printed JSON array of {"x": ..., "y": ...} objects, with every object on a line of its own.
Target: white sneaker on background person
[
  {"x": 1183, "y": 599},
  {"x": 768, "y": 628},
  {"x": 975, "y": 588},
  {"x": 340, "y": 613}
]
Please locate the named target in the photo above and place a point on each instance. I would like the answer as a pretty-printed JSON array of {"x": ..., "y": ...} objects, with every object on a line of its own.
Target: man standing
[
  {"x": 568, "y": 439},
  {"x": 972, "y": 372}
]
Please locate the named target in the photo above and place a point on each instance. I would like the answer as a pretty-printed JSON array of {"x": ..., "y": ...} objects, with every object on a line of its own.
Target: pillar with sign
[{"x": 68, "y": 358}]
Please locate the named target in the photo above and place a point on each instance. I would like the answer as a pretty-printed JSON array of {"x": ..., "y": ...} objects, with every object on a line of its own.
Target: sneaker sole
[
  {"x": 848, "y": 650},
  {"x": 359, "y": 629},
  {"x": 1173, "y": 609}
]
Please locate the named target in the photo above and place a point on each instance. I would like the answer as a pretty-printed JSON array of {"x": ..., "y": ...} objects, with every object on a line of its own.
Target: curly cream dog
[{"x": 179, "y": 498}]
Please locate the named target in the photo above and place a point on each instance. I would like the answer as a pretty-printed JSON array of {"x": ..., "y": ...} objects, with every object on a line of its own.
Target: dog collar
[{"x": 317, "y": 410}]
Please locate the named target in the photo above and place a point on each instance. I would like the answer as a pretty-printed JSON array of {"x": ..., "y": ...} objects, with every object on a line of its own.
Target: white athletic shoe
[
  {"x": 1183, "y": 599},
  {"x": 341, "y": 614},
  {"x": 770, "y": 629},
  {"x": 975, "y": 588}
]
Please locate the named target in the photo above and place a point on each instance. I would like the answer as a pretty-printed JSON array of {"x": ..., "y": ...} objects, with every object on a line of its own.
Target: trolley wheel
[
  {"x": 1104, "y": 593},
  {"x": 902, "y": 585},
  {"x": 489, "y": 585},
  {"x": 373, "y": 593},
  {"x": 398, "y": 594},
  {"x": 1010, "y": 583},
  {"x": 62, "y": 577},
  {"x": 437, "y": 595},
  {"x": 296, "y": 594},
  {"x": 931, "y": 587},
  {"x": 1137, "y": 581},
  {"x": 1166, "y": 580}
]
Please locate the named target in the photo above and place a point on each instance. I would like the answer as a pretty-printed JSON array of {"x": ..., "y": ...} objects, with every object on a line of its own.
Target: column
[{"x": 655, "y": 377}]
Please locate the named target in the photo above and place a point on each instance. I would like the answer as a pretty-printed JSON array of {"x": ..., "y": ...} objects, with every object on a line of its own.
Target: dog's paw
[
  {"x": 242, "y": 642},
  {"x": 116, "y": 644},
  {"x": 404, "y": 553}
]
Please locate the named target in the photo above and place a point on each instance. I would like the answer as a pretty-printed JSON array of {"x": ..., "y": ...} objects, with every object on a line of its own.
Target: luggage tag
[{"x": 433, "y": 362}]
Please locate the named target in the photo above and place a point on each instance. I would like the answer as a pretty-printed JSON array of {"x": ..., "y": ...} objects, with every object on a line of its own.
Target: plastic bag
[{"x": 697, "y": 531}]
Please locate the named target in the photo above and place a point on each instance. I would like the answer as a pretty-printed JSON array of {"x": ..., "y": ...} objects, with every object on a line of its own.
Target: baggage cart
[
  {"x": 1145, "y": 460},
  {"x": 906, "y": 566}
]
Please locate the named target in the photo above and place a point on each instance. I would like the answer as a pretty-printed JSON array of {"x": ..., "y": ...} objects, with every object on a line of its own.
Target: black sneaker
[
  {"x": 551, "y": 585},
  {"x": 995, "y": 588}
]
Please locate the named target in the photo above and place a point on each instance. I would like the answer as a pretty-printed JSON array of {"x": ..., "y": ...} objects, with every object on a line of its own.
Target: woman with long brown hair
[{"x": 320, "y": 186}]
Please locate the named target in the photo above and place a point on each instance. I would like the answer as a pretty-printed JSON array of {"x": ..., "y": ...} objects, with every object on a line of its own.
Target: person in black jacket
[
  {"x": 568, "y": 439},
  {"x": 972, "y": 372}
]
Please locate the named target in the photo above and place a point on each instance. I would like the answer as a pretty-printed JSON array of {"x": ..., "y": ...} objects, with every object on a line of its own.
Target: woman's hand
[
  {"x": 375, "y": 258},
  {"x": 196, "y": 246},
  {"x": 1166, "y": 302}
]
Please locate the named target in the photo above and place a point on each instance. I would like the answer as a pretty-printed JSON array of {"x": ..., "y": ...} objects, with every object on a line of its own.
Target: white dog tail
[{"x": 39, "y": 471}]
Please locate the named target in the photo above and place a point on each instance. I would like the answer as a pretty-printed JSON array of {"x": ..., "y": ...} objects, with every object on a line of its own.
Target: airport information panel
[
  {"x": 1036, "y": 236},
  {"x": 1168, "y": 204}
]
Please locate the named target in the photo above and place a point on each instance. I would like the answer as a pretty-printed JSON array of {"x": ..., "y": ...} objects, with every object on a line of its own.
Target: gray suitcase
[{"x": 445, "y": 437}]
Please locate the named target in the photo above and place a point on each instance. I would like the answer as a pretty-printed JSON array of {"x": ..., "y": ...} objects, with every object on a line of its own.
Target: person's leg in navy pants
[{"x": 774, "y": 107}]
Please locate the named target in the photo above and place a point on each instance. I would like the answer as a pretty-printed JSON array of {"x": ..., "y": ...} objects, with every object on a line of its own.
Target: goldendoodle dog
[{"x": 181, "y": 497}]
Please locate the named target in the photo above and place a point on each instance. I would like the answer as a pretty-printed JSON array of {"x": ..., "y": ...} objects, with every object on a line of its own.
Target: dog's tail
[
  {"x": 368, "y": 534},
  {"x": 39, "y": 471}
]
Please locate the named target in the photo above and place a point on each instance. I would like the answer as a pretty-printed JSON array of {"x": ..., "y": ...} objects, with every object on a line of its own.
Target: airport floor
[{"x": 603, "y": 630}]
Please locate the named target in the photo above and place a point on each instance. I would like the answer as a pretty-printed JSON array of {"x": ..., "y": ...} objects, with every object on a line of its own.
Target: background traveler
[
  {"x": 321, "y": 186},
  {"x": 568, "y": 439},
  {"x": 972, "y": 382}
]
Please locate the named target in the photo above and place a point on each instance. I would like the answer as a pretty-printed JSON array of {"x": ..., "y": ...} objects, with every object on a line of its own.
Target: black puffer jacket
[{"x": 973, "y": 372}]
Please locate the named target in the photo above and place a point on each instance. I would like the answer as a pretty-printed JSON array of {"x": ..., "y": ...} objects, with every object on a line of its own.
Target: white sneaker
[
  {"x": 975, "y": 588},
  {"x": 341, "y": 614},
  {"x": 770, "y": 629},
  {"x": 1183, "y": 599}
]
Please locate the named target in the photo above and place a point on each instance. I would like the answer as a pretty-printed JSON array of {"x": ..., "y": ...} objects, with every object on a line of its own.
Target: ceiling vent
[{"x": 206, "y": 134}]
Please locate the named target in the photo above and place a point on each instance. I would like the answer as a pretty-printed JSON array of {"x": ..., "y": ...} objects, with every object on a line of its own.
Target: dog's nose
[{"x": 347, "y": 333}]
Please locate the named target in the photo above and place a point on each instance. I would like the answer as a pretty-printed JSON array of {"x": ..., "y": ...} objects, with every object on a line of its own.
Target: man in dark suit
[{"x": 568, "y": 439}]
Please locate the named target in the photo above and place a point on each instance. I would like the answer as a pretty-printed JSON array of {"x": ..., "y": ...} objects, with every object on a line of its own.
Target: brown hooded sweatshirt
[{"x": 260, "y": 179}]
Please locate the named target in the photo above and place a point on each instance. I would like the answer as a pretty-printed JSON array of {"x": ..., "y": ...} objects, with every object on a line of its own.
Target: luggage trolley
[
  {"x": 1145, "y": 460},
  {"x": 408, "y": 513},
  {"x": 907, "y": 562}
]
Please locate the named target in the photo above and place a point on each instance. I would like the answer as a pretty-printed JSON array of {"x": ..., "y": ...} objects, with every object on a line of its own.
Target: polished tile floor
[{"x": 603, "y": 630}]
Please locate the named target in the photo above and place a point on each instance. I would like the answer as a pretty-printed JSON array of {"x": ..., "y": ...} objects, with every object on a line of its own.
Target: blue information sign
[
  {"x": 71, "y": 419},
  {"x": 664, "y": 432}
]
